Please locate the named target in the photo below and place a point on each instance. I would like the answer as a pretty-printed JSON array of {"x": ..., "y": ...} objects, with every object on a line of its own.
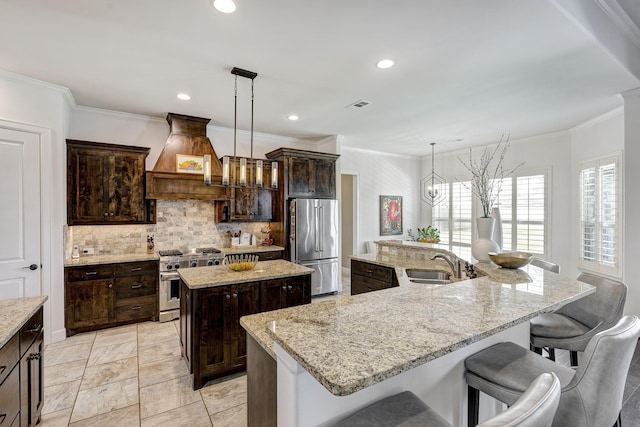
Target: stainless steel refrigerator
[{"x": 313, "y": 236}]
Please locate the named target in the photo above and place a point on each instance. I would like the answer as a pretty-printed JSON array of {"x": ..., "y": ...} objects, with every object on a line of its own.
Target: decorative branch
[{"x": 486, "y": 181}]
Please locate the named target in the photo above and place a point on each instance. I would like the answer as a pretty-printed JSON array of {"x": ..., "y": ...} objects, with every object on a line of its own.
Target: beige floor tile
[
  {"x": 125, "y": 417},
  {"x": 192, "y": 415},
  {"x": 147, "y": 326},
  {"x": 56, "y": 419},
  {"x": 232, "y": 417},
  {"x": 225, "y": 395},
  {"x": 163, "y": 370},
  {"x": 56, "y": 356},
  {"x": 64, "y": 372},
  {"x": 112, "y": 339},
  {"x": 84, "y": 338},
  {"x": 104, "y": 399},
  {"x": 152, "y": 336},
  {"x": 107, "y": 373},
  {"x": 160, "y": 351},
  {"x": 112, "y": 353},
  {"x": 166, "y": 396},
  {"x": 59, "y": 397},
  {"x": 118, "y": 330}
]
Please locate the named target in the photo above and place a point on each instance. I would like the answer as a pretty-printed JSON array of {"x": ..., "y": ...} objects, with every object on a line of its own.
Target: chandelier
[
  {"x": 247, "y": 172},
  {"x": 431, "y": 185}
]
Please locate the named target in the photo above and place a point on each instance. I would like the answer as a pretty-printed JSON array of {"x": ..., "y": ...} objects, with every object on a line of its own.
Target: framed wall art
[
  {"x": 189, "y": 164},
  {"x": 390, "y": 215}
]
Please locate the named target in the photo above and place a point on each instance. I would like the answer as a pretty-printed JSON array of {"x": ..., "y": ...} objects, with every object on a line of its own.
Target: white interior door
[{"x": 19, "y": 214}]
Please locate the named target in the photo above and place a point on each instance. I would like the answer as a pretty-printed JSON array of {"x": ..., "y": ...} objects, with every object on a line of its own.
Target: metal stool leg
[
  {"x": 473, "y": 407},
  {"x": 574, "y": 358}
]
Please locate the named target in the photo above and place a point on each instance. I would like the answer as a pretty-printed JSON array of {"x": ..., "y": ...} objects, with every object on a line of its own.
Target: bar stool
[
  {"x": 591, "y": 395},
  {"x": 535, "y": 408},
  {"x": 572, "y": 326}
]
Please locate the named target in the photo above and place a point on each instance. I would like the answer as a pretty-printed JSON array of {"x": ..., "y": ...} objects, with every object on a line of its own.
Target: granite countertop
[
  {"x": 109, "y": 259},
  {"x": 353, "y": 342},
  {"x": 251, "y": 249},
  {"x": 15, "y": 312},
  {"x": 220, "y": 275}
]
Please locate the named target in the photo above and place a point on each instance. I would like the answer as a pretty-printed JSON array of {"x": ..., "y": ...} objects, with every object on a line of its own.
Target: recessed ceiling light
[
  {"x": 183, "y": 97},
  {"x": 224, "y": 6},
  {"x": 385, "y": 63},
  {"x": 293, "y": 117}
]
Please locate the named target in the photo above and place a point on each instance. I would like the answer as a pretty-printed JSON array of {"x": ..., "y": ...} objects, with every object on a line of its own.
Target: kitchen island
[
  {"x": 337, "y": 356},
  {"x": 212, "y": 300}
]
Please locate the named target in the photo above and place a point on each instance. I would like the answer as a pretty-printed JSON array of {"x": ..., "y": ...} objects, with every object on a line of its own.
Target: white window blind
[
  {"x": 453, "y": 216},
  {"x": 599, "y": 216}
]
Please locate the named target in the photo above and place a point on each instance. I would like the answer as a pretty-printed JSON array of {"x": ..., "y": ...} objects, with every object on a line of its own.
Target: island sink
[{"x": 434, "y": 277}]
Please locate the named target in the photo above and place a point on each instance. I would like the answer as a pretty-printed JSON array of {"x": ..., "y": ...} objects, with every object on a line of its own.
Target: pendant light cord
[{"x": 235, "y": 126}]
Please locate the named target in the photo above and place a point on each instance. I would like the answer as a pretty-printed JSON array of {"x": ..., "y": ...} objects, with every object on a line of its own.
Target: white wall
[
  {"x": 47, "y": 106},
  {"x": 383, "y": 174}
]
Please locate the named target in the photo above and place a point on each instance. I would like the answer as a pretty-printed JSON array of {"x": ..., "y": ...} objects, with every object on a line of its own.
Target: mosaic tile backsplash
[{"x": 181, "y": 224}]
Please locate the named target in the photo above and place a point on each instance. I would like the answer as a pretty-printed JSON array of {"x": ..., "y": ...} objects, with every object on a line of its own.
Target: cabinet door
[
  {"x": 272, "y": 295},
  {"x": 32, "y": 384},
  {"x": 246, "y": 301},
  {"x": 125, "y": 187},
  {"x": 215, "y": 329},
  {"x": 251, "y": 205},
  {"x": 86, "y": 173},
  {"x": 300, "y": 175},
  {"x": 185, "y": 323},
  {"x": 298, "y": 291},
  {"x": 324, "y": 178},
  {"x": 89, "y": 303}
]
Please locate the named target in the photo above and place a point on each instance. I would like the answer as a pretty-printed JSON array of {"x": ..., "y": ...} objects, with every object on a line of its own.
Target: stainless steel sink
[{"x": 418, "y": 275}]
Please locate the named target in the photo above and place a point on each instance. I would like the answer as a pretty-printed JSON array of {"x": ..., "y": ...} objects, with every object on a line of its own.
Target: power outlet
[{"x": 87, "y": 251}]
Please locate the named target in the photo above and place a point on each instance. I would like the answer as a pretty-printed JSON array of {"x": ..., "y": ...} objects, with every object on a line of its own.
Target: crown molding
[
  {"x": 619, "y": 111},
  {"x": 631, "y": 92},
  {"x": 30, "y": 81},
  {"x": 384, "y": 153},
  {"x": 119, "y": 114},
  {"x": 621, "y": 19}
]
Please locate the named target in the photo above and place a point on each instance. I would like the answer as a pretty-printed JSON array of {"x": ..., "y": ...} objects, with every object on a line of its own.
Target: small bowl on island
[
  {"x": 243, "y": 262},
  {"x": 511, "y": 259}
]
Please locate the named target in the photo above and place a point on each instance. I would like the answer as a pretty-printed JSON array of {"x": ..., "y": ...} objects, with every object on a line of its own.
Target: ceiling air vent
[{"x": 358, "y": 105}]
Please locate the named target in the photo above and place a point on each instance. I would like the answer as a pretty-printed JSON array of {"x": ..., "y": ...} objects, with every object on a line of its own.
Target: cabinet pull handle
[
  {"x": 90, "y": 273},
  {"x": 138, "y": 286},
  {"x": 136, "y": 269},
  {"x": 35, "y": 329},
  {"x": 2, "y": 417},
  {"x": 369, "y": 271},
  {"x": 34, "y": 356},
  {"x": 136, "y": 307},
  {"x": 2, "y": 369}
]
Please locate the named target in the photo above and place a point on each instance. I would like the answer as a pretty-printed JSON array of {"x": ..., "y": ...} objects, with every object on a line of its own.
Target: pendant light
[
  {"x": 247, "y": 166},
  {"x": 432, "y": 184}
]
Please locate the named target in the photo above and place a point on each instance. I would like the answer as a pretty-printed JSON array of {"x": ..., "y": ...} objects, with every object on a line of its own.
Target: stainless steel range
[{"x": 170, "y": 262}]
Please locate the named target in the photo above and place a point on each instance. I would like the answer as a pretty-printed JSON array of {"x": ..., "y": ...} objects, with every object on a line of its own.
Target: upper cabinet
[
  {"x": 306, "y": 174},
  {"x": 106, "y": 184}
]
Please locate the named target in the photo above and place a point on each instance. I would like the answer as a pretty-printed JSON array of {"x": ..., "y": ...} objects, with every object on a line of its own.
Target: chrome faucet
[{"x": 455, "y": 268}]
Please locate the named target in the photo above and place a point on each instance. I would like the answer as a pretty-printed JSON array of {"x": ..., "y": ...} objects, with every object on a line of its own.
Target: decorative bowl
[
  {"x": 243, "y": 262},
  {"x": 511, "y": 259}
]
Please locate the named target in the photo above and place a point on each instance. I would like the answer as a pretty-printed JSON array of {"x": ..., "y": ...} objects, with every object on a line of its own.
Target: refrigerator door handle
[
  {"x": 321, "y": 222},
  {"x": 317, "y": 227}
]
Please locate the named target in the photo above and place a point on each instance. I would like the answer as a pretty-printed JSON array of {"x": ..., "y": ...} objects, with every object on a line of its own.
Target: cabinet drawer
[
  {"x": 136, "y": 308},
  {"x": 9, "y": 356},
  {"x": 268, "y": 256},
  {"x": 30, "y": 331},
  {"x": 10, "y": 398},
  {"x": 367, "y": 284},
  {"x": 144, "y": 267},
  {"x": 371, "y": 270},
  {"x": 89, "y": 272},
  {"x": 136, "y": 286}
]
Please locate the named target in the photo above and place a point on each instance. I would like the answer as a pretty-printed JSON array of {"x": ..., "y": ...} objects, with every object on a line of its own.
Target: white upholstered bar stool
[
  {"x": 572, "y": 326},
  {"x": 591, "y": 395},
  {"x": 535, "y": 408}
]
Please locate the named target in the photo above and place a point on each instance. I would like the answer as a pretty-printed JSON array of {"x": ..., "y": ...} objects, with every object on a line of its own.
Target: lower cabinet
[
  {"x": 101, "y": 296},
  {"x": 22, "y": 375},
  {"x": 213, "y": 342},
  {"x": 366, "y": 277}
]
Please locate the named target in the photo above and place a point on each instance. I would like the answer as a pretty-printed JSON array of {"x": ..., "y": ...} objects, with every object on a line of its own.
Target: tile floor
[{"x": 134, "y": 376}]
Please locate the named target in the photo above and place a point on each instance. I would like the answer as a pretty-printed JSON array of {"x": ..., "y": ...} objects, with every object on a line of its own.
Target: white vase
[
  {"x": 481, "y": 246},
  {"x": 497, "y": 228}
]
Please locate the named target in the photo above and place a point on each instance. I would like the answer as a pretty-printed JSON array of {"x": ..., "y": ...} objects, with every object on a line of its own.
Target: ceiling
[{"x": 465, "y": 70}]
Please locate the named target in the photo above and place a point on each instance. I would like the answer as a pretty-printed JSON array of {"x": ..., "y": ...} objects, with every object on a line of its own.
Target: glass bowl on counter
[
  {"x": 511, "y": 259},
  {"x": 242, "y": 262}
]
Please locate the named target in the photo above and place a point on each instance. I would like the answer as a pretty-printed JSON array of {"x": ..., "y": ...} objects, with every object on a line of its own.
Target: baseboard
[{"x": 59, "y": 335}]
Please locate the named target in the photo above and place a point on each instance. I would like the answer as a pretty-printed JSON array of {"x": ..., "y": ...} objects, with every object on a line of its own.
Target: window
[
  {"x": 454, "y": 217},
  {"x": 600, "y": 222}
]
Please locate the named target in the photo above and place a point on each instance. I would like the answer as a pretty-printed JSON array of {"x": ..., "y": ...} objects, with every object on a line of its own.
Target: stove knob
[
  {"x": 177, "y": 266},
  {"x": 209, "y": 262},
  {"x": 169, "y": 266},
  {"x": 217, "y": 262},
  {"x": 194, "y": 263}
]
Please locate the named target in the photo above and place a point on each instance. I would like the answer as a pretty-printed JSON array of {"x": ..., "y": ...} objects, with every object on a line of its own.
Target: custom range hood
[{"x": 178, "y": 172}]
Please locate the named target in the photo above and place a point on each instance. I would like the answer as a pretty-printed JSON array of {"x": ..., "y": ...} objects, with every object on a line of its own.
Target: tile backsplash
[{"x": 181, "y": 224}]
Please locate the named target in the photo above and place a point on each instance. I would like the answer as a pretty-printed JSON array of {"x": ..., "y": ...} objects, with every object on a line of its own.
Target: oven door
[{"x": 169, "y": 291}]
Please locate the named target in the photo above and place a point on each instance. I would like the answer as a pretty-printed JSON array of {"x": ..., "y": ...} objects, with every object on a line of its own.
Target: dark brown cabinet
[
  {"x": 100, "y": 296},
  {"x": 22, "y": 375},
  {"x": 366, "y": 277},
  {"x": 106, "y": 184},
  {"x": 213, "y": 342},
  {"x": 249, "y": 204}
]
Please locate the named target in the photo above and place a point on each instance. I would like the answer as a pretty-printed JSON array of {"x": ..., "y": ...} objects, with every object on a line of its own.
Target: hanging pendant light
[{"x": 432, "y": 185}]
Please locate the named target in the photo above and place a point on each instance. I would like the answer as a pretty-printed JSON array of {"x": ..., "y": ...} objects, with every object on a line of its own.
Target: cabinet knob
[
  {"x": 106, "y": 214},
  {"x": 228, "y": 296},
  {"x": 289, "y": 287},
  {"x": 111, "y": 213},
  {"x": 110, "y": 285},
  {"x": 235, "y": 295},
  {"x": 33, "y": 356}
]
